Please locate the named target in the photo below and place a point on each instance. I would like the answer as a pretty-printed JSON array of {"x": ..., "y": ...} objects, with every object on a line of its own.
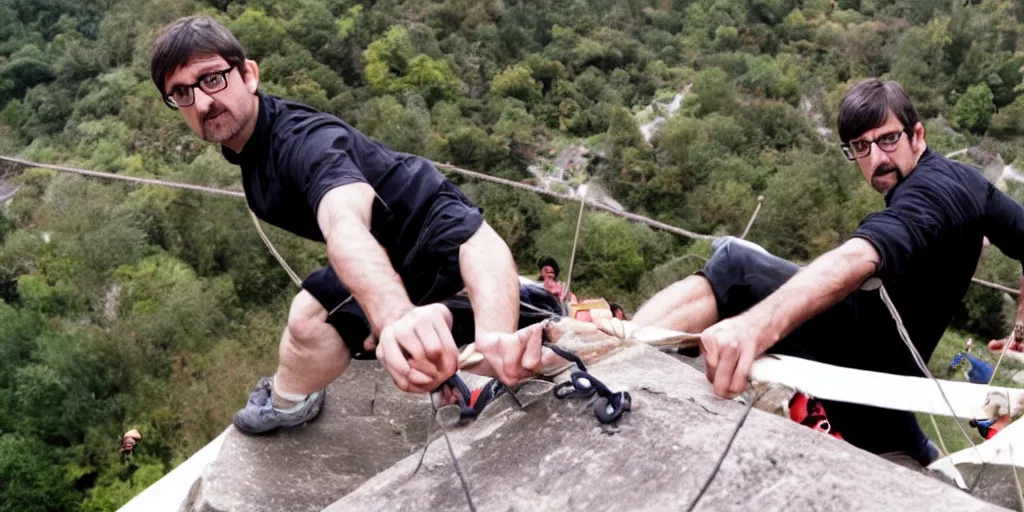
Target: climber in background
[{"x": 549, "y": 273}]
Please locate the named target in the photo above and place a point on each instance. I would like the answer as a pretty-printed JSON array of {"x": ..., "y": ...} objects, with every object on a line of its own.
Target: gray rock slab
[
  {"x": 994, "y": 483},
  {"x": 553, "y": 455},
  {"x": 366, "y": 425}
]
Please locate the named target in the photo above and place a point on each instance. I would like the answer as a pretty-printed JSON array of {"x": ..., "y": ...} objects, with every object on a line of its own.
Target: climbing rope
[
  {"x": 451, "y": 452},
  {"x": 122, "y": 177},
  {"x": 565, "y": 197},
  {"x": 484, "y": 177},
  {"x": 721, "y": 458},
  {"x": 273, "y": 250},
  {"x": 919, "y": 361},
  {"x": 575, "y": 244},
  {"x": 938, "y": 434},
  {"x": 750, "y": 223}
]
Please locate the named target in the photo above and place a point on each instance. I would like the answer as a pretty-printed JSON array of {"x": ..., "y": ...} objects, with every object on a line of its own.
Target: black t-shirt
[
  {"x": 930, "y": 239},
  {"x": 297, "y": 154}
]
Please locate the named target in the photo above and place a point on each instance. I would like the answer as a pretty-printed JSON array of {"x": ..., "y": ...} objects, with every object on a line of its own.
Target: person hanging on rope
[
  {"x": 923, "y": 247},
  {"x": 402, "y": 241}
]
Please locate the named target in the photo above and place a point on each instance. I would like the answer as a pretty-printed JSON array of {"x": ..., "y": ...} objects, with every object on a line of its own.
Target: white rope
[
  {"x": 575, "y": 244},
  {"x": 938, "y": 433},
  {"x": 565, "y": 197},
  {"x": 1016, "y": 478},
  {"x": 122, "y": 177},
  {"x": 273, "y": 250},
  {"x": 995, "y": 286},
  {"x": 760, "y": 201},
  {"x": 905, "y": 336}
]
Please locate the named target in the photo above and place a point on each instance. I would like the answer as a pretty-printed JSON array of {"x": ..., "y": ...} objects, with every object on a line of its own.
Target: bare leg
[
  {"x": 688, "y": 305},
  {"x": 312, "y": 353},
  {"x": 1016, "y": 337}
]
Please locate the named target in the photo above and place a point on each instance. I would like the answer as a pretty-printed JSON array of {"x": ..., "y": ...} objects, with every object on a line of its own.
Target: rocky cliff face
[
  {"x": 553, "y": 455},
  {"x": 366, "y": 426}
]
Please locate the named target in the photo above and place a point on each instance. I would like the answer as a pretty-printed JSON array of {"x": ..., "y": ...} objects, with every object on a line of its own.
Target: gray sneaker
[{"x": 259, "y": 415}]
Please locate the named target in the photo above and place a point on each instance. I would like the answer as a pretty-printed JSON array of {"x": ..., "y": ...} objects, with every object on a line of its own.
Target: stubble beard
[{"x": 223, "y": 126}]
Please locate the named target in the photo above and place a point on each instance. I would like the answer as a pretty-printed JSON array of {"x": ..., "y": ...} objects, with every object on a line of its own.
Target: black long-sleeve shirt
[{"x": 930, "y": 240}]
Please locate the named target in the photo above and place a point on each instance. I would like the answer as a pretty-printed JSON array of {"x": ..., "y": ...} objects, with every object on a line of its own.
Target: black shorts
[
  {"x": 430, "y": 273},
  {"x": 742, "y": 274}
]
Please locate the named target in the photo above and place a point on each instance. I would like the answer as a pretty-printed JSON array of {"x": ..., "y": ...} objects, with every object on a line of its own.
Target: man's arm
[
  {"x": 1004, "y": 227},
  {"x": 492, "y": 282},
  {"x": 491, "y": 279},
  {"x": 415, "y": 344},
  {"x": 1004, "y": 223},
  {"x": 358, "y": 259},
  {"x": 731, "y": 345}
]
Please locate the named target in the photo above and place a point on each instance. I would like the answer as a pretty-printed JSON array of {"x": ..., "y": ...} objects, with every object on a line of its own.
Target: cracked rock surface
[{"x": 554, "y": 455}]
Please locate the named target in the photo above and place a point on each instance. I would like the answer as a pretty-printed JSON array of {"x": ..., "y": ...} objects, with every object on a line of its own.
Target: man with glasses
[
  {"x": 924, "y": 247},
  {"x": 402, "y": 241}
]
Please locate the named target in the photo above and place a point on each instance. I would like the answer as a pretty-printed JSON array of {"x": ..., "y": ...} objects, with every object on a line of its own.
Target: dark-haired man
[
  {"x": 402, "y": 241},
  {"x": 924, "y": 247},
  {"x": 549, "y": 272}
]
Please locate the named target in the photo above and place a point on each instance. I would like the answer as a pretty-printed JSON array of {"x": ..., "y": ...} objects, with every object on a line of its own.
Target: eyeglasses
[
  {"x": 861, "y": 148},
  {"x": 184, "y": 95}
]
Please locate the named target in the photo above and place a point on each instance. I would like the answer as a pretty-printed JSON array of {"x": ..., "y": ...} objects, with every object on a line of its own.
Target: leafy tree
[
  {"x": 433, "y": 80},
  {"x": 389, "y": 121},
  {"x": 105, "y": 95},
  {"x": 515, "y": 124},
  {"x": 712, "y": 92},
  {"x": 973, "y": 111},
  {"x": 1009, "y": 121},
  {"x": 516, "y": 82},
  {"x": 804, "y": 204},
  {"x": 313, "y": 25},
  {"x": 393, "y": 67},
  {"x": 612, "y": 254},
  {"x": 30, "y": 482},
  {"x": 920, "y": 65},
  {"x": 623, "y": 133},
  {"x": 25, "y": 69},
  {"x": 516, "y": 215},
  {"x": 261, "y": 35}
]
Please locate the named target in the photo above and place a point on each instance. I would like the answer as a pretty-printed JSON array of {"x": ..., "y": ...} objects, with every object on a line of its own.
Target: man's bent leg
[
  {"x": 738, "y": 275},
  {"x": 688, "y": 305},
  {"x": 312, "y": 353}
]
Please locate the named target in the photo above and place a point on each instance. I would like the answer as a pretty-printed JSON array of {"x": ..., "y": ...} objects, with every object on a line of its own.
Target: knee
[
  {"x": 305, "y": 318},
  {"x": 731, "y": 255}
]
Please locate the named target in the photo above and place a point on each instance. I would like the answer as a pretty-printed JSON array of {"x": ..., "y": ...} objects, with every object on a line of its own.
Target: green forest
[{"x": 128, "y": 306}]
